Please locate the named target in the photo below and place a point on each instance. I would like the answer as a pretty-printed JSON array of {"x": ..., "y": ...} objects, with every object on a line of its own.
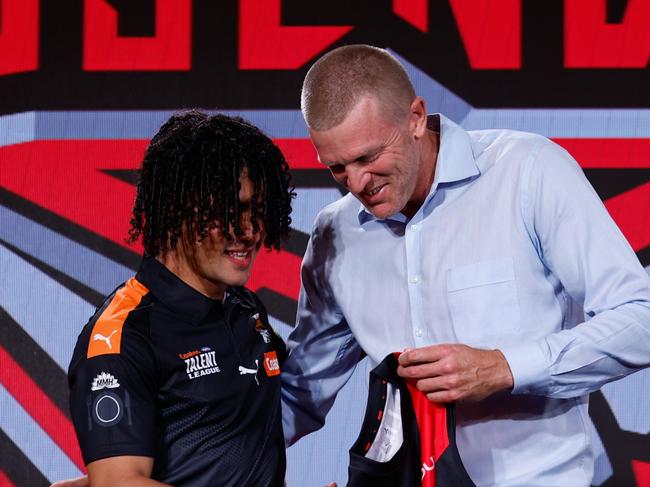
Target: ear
[{"x": 418, "y": 123}]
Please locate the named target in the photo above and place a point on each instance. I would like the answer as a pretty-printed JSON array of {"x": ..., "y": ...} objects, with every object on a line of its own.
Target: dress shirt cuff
[{"x": 529, "y": 367}]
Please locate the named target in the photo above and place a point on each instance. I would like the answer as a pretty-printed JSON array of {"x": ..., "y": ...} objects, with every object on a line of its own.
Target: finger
[
  {"x": 420, "y": 355},
  {"x": 418, "y": 371},
  {"x": 441, "y": 367},
  {"x": 445, "y": 397},
  {"x": 439, "y": 384}
]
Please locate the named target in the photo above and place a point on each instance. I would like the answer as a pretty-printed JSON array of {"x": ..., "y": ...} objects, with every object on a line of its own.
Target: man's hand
[
  {"x": 456, "y": 373},
  {"x": 78, "y": 482}
]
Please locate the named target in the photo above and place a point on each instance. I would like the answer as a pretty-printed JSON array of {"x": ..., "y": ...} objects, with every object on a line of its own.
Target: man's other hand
[{"x": 456, "y": 373}]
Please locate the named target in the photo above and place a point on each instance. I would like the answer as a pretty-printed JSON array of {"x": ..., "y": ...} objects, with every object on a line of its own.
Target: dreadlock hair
[{"x": 190, "y": 177}]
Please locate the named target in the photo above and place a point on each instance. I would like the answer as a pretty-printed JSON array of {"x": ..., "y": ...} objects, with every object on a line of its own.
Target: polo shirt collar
[
  {"x": 175, "y": 294},
  {"x": 455, "y": 161}
]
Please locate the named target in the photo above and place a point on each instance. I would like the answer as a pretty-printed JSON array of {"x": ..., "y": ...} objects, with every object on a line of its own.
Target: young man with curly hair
[{"x": 176, "y": 376}]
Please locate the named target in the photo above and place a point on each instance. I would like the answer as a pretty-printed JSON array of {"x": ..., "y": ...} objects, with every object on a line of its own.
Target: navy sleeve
[{"x": 113, "y": 395}]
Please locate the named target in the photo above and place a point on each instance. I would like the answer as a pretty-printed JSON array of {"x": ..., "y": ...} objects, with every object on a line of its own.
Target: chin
[
  {"x": 240, "y": 281},
  {"x": 382, "y": 211}
]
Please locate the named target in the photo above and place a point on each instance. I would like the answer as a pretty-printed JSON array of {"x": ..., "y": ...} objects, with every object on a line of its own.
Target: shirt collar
[
  {"x": 455, "y": 161},
  {"x": 455, "y": 156},
  {"x": 175, "y": 294}
]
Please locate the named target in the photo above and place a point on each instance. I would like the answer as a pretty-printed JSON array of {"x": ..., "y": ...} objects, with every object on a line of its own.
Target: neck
[
  {"x": 427, "y": 172},
  {"x": 178, "y": 264},
  {"x": 430, "y": 157}
]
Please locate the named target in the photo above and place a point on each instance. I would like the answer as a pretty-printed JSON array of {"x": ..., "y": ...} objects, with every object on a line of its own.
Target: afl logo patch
[{"x": 107, "y": 409}]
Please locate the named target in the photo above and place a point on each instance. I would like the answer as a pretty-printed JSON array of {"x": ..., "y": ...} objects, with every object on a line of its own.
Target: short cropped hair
[
  {"x": 189, "y": 181},
  {"x": 338, "y": 80}
]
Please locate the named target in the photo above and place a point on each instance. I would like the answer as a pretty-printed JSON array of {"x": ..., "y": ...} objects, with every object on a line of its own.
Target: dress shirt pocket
[{"x": 483, "y": 302}]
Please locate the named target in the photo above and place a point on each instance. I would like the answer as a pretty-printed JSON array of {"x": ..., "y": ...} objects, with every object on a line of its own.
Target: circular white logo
[{"x": 108, "y": 409}]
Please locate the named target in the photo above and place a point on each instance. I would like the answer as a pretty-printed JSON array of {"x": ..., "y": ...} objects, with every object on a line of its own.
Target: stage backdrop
[{"x": 84, "y": 84}]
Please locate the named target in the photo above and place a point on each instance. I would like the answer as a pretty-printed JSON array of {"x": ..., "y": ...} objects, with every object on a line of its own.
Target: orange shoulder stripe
[{"x": 106, "y": 336}]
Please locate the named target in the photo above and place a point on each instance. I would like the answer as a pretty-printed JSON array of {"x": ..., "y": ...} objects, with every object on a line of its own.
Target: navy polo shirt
[{"x": 165, "y": 372}]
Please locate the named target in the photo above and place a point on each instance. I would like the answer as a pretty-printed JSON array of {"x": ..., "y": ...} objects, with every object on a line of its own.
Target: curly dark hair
[{"x": 190, "y": 176}]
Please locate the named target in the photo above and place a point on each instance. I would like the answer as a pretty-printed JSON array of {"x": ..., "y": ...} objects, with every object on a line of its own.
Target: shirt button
[
  {"x": 418, "y": 333},
  {"x": 414, "y": 228},
  {"x": 415, "y": 279}
]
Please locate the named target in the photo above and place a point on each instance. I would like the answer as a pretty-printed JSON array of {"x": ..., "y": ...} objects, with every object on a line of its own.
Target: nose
[
  {"x": 357, "y": 178},
  {"x": 248, "y": 231}
]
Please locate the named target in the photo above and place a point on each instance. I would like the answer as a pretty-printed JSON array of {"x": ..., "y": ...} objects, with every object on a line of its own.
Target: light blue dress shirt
[{"x": 512, "y": 249}]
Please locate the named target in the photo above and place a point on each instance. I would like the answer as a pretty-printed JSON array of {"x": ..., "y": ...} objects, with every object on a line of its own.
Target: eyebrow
[{"x": 369, "y": 154}]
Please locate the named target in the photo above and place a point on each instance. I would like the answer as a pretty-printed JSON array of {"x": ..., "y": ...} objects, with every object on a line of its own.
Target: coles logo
[{"x": 271, "y": 363}]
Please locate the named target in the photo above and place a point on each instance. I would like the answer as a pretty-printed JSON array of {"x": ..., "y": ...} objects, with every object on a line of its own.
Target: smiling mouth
[
  {"x": 374, "y": 190},
  {"x": 242, "y": 258},
  {"x": 238, "y": 254}
]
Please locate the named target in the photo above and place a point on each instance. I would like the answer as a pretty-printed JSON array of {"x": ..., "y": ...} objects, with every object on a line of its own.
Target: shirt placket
[{"x": 415, "y": 279}]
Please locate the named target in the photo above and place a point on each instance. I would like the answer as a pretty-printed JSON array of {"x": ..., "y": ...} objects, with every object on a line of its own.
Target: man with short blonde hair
[
  {"x": 334, "y": 85},
  {"x": 485, "y": 254}
]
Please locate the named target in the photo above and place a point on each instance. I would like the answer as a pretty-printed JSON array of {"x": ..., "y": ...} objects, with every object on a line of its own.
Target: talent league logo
[{"x": 200, "y": 362}]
